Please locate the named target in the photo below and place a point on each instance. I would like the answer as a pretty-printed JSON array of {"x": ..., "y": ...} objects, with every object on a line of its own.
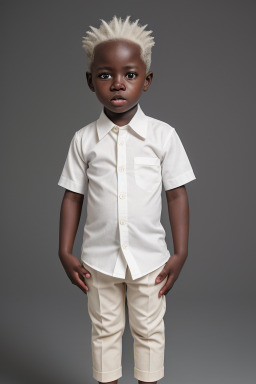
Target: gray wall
[{"x": 203, "y": 85}]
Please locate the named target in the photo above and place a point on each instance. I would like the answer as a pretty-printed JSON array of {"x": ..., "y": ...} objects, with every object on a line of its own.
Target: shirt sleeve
[
  {"x": 176, "y": 167},
  {"x": 74, "y": 173}
]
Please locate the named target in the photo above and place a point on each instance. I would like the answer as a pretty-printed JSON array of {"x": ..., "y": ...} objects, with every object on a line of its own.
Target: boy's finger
[
  {"x": 81, "y": 284},
  {"x": 83, "y": 287},
  {"x": 162, "y": 275},
  {"x": 84, "y": 271},
  {"x": 166, "y": 288}
]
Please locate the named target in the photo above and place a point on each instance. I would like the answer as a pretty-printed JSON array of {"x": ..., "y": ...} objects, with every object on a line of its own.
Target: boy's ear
[
  {"x": 89, "y": 81},
  {"x": 148, "y": 81}
]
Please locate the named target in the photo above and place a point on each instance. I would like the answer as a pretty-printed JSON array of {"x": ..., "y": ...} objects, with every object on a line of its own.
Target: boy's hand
[
  {"x": 75, "y": 271},
  {"x": 171, "y": 269}
]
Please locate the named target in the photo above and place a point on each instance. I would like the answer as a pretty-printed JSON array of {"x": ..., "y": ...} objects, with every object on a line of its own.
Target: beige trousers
[{"x": 106, "y": 308}]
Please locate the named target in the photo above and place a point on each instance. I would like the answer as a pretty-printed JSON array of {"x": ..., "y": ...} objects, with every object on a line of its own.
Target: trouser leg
[
  {"x": 146, "y": 318},
  {"x": 106, "y": 308}
]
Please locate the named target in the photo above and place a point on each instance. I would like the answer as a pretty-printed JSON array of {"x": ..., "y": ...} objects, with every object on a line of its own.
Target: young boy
[{"x": 120, "y": 162}]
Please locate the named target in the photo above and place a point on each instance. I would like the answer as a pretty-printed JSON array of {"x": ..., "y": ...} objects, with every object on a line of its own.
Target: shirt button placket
[{"x": 122, "y": 190}]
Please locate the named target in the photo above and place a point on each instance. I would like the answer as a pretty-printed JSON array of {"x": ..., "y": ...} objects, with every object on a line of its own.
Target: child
[{"x": 120, "y": 162}]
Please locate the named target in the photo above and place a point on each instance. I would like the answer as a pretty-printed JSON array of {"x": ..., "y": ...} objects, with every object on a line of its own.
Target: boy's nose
[{"x": 117, "y": 84}]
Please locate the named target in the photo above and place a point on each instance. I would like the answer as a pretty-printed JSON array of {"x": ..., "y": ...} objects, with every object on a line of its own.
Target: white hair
[{"x": 117, "y": 29}]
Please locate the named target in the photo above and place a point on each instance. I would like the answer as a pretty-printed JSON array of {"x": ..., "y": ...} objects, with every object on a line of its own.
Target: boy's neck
[{"x": 122, "y": 118}]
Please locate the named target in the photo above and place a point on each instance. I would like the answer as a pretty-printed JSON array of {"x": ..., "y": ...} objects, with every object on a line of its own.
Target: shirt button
[
  {"x": 124, "y": 246},
  {"x": 122, "y": 221},
  {"x": 122, "y": 195},
  {"x": 121, "y": 168},
  {"x": 115, "y": 129},
  {"x": 121, "y": 143}
]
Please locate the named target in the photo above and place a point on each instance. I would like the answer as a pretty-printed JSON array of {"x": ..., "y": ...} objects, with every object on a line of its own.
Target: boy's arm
[
  {"x": 178, "y": 208},
  {"x": 70, "y": 214}
]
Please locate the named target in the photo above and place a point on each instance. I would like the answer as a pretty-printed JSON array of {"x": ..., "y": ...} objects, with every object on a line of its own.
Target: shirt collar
[{"x": 138, "y": 123}]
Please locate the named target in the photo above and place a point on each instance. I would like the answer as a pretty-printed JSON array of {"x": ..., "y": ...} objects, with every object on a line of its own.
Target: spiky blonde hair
[{"x": 119, "y": 29}]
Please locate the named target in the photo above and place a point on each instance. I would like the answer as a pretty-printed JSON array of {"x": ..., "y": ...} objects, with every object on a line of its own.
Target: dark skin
[
  {"x": 118, "y": 68},
  {"x": 110, "y": 75}
]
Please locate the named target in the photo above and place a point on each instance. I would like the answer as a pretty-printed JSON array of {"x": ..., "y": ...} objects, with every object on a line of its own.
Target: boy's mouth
[
  {"x": 118, "y": 97},
  {"x": 118, "y": 100}
]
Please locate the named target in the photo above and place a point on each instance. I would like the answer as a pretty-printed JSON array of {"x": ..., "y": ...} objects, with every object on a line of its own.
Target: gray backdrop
[{"x": 204, "y": 86}]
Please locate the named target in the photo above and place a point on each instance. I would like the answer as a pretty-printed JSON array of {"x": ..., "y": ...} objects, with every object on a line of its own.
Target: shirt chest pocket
[{"x": 147, "y": 172}]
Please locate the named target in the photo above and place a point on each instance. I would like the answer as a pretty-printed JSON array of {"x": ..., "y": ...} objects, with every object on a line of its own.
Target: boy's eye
[
  {"x": 103, "y": 74},
  {"x": 132, "y": 73}
]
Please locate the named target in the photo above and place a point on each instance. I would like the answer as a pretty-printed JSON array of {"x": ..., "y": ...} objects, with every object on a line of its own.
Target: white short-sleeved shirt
[{"x": 121, "y": 171}]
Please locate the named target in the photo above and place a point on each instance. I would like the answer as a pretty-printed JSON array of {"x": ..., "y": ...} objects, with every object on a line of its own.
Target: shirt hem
[
  {"x": 123, "y": 277},
  {"x": 154, "y": 269},
  {"x": 99, "y": 270}
]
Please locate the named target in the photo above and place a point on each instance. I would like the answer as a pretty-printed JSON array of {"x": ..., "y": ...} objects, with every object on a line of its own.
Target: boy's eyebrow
[
  {"x": 126, "y": 67},
  {"x": 130, "y": 66}
]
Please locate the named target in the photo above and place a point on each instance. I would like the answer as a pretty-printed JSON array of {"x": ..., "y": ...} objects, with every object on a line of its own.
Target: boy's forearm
[
  {"x": 70, "y": 214},
  {"x": 177, "y": 201},
  {"x": 178, "y": 208}
]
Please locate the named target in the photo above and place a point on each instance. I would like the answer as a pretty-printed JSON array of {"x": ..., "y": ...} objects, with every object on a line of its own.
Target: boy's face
[{"x": 118, "y": 71}]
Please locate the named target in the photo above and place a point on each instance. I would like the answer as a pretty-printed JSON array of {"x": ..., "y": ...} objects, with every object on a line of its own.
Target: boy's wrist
[
  {"x": 180, "y": 257},
  {"x": 64, "y": 254}
]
